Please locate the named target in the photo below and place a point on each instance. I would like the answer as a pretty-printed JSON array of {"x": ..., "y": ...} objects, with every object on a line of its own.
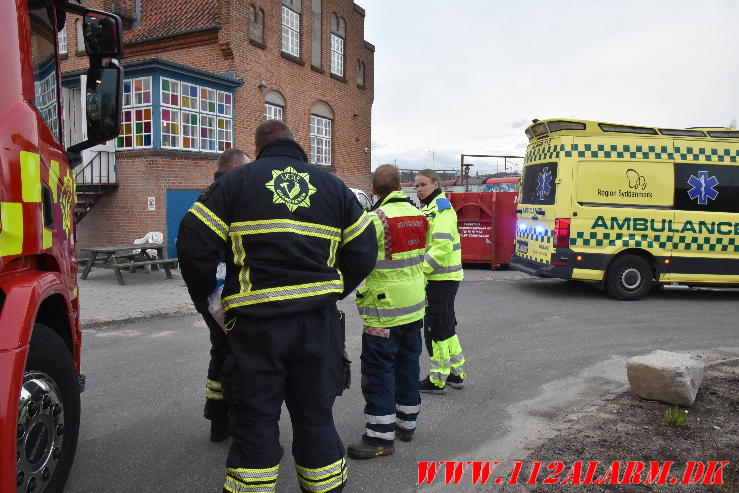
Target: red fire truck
[{"x": 40, "y": 379}]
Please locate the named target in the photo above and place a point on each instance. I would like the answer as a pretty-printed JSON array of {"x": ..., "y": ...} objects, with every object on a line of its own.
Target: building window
[
  {"x": 43, "y": 56},
  {"x": 136, "y": 126},
  {"x": 274, "y": 105},
  {"x": 338, "y": 35},
  {"x": 290, "y": 32},
  {"x": 320, "y": 140},
  {"x": 195, "y": 118},
  {"x": 272, "y": 112},
  {"x": 62, "y": 40},
  {"x": 256, "y": 24}
]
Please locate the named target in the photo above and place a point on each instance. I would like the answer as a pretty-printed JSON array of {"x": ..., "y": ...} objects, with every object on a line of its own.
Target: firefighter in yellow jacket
[
  {"x": 443, "y": 269},
  {"x": 391, "y": 304}
]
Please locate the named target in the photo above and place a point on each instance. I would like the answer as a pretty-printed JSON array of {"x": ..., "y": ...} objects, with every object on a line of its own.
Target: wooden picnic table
[{"x": 119, "y": 257}]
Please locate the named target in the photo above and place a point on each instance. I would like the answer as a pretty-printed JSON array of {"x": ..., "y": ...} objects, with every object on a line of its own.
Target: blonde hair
[{"x": 430, "y": 174}]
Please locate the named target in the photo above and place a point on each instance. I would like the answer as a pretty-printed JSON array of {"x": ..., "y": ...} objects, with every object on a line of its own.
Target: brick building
[{"x": 200, "y": 75}]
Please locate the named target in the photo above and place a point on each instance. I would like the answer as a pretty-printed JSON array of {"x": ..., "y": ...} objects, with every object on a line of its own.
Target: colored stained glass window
[
  {"x": 224, "y": 104},
  {"x": 142, "y": 91},
  {"x": 190, "y": 97},
  {"x": 170, "y": 92},
  {"x": 190, "y": 127},
  {"x": 170, "y": 128},
  {"x": 207, "y": 133},
  {"x": 224, "y": 134},
  {"x": 207, "y": 100}
]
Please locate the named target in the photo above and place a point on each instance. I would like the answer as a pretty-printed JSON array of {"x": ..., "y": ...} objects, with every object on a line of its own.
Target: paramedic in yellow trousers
[
  {"x": 443, "y": 269},
  {"x": 295, "y": 240},
  {"x": 391, "y": 304}
]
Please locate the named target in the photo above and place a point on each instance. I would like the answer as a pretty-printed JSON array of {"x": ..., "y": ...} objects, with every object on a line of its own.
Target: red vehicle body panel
[
  {"x": 487, "y": 226},
  {"x": 45, "y": 268}
]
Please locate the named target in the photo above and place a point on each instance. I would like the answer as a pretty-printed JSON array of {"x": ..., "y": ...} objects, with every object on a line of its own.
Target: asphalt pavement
[{"x": 537, "y": 350}]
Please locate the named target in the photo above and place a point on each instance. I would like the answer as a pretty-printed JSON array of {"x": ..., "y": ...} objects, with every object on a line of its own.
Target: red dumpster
[{"x": 487, "y": 226}]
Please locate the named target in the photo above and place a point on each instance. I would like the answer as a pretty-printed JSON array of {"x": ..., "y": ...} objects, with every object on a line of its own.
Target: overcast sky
[{"x": 467, "y": 76}]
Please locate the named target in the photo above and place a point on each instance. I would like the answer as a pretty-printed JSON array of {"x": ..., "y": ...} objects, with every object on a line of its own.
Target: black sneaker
[
  {"x": 428, "y": 387},
  {"x": 455, "y": 381},
  {"x": 403, "y": 435},
  {"x": 219, "y": 430},
  {"x": 364, "y": 449}
]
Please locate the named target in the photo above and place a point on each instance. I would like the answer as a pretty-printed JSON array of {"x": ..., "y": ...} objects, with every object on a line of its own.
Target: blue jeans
[{"x": 390, "y": 371}]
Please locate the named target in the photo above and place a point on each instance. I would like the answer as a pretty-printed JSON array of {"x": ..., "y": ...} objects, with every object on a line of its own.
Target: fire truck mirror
[
  {"x": 102, "y": 104},
  {"x": 102, "y": 33}
]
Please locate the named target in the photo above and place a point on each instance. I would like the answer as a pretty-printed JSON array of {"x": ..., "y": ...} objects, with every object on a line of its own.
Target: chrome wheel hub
[
  {"x": 40, "y": 433},
  {"x": 631, "y": 278}
]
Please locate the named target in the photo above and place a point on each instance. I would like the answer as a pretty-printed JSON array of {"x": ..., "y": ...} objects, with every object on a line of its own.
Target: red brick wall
[{"x": 122, "y": 215}]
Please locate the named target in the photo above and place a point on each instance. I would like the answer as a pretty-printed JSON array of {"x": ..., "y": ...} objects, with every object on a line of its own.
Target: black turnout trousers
[
  {"x": 295, "y": 359},
  {"x": 215, "y": 408}
]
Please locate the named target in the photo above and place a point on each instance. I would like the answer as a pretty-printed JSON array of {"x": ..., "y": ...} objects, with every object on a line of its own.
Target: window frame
[
  {"x": 338, "y": 57},
  {"x": 320, "y": 143},
  {"x": 290, "y": 32},
  {"x": 275, "y": 108}
]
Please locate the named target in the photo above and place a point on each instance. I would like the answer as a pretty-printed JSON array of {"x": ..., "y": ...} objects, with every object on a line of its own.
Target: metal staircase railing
[{"x": 100, "y": 170}]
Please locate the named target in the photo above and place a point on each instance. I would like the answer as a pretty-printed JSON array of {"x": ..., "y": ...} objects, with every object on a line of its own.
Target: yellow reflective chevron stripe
[
  {"x": 321, "y": 479},
  {"x": 285, "y": 226},
  {"x": 246, "y": 480},
  {"x": 355, "y": 229},
  {"x": 282, "y": 293},
  {"x": 31, "y": 176},
  {"x": 11, "y": 228},
  {"x": 54, "y": 179},
  {"x": 210, "y": 219}
]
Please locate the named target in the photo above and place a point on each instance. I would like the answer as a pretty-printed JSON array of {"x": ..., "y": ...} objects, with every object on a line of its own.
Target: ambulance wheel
[
  {"x": 628, "y": 278},
  {"x": 48, "y": 415}
]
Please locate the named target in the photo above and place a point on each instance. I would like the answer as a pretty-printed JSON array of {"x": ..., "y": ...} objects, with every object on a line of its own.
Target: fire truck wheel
[
  {"x": 48, "y": 415},
  {"x": 629, "y": 277}
]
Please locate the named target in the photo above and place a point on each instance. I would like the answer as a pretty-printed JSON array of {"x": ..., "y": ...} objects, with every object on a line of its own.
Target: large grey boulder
[{"x": 664, "y": 376}]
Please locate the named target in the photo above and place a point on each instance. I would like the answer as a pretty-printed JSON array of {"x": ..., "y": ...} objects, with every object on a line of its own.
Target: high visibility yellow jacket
[
  {"x": 443, "y": 259},
  {"x": 393, "y": 293}
]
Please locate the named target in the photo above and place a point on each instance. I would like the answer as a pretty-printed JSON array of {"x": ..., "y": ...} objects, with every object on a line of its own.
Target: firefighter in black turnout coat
[{"x": 295, "y": 241}]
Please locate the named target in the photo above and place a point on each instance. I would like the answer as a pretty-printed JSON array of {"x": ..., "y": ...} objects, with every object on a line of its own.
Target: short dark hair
[
  {"x": 269, "y": 131},
  {"x": 230, "y": 158},
  {"x": 430, "y": 174},
  {"x": 385, "y": 179}
]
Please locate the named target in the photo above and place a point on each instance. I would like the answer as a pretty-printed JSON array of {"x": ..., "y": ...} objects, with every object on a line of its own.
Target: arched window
[
  {"x": 274, "y": 106},
  {"x": 256, "y": 24},
  {"x": 360, "y": 74},
  {"x": 321, "y": 131},
  {"x": 338, "y": 37}
]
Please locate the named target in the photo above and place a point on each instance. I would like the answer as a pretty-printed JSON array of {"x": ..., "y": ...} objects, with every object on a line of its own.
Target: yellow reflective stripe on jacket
[
  {"x": 11, "y": 228},
  {"x": 285, "y": 226},
  {"x": 371, "y": 311},
  {"x": 355, "y": 229},
  {"x": 31, "y": 176},
  {"x": 210, "y": 219},
  {"x": 283, "y": 293},
  {"x": 399, "y": 263}
]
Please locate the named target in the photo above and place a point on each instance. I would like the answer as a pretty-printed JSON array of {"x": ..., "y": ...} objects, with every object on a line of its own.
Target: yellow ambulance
[{"x": 629, "y": 207}]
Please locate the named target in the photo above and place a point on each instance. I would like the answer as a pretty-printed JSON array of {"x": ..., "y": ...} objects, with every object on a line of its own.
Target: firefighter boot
[
  {"x": 455, "y": 381},
  {"x": 219, "y": 430},
  {"x": 366, "y": 449},
  {"x": 403, "y": 434},
  {"x": 428, "y": 387}
]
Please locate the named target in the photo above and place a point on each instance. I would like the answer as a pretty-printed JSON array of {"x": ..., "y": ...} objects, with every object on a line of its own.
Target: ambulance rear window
[{"x": 539, "y": 184}]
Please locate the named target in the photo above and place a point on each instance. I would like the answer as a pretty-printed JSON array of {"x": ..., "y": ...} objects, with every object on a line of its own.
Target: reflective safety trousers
[
  {"x": 446, "y": 358},
  {"x": 393, "y": 293},
  {"x": 443, "y": 259}
]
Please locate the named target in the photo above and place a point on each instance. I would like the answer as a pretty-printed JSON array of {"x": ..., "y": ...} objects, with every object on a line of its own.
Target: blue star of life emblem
[
  {"x": 703, "y": 187},
  {"x": 542, "y": 183}
]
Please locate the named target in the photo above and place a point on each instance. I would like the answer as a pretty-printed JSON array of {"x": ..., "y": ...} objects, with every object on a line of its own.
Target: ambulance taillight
[{"x": 562, "y": 233}]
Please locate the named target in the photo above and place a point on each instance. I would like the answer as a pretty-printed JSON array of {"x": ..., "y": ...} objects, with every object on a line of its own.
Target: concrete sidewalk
[{"x": 104, "y": 301}]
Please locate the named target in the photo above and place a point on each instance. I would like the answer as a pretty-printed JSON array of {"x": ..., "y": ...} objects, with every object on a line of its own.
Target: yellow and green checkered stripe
[
  {"x": 639, "y": 240},
  {"x": 628, "y": 151},
  {"x": 530, "y": 235}
]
